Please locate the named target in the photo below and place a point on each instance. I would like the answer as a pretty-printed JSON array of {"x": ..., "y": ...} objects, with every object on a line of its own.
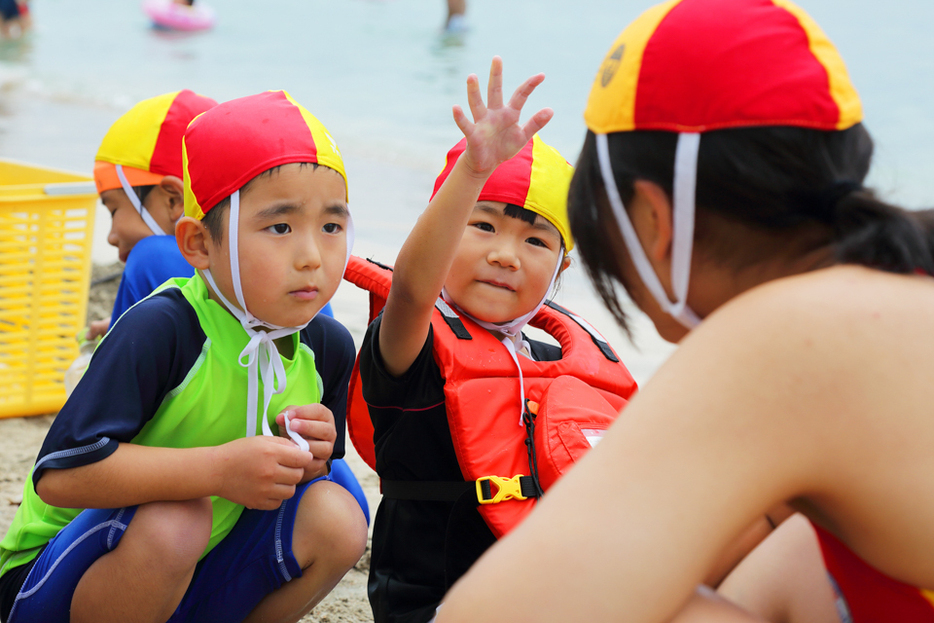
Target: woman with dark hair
[{"x": 720, "y": 185}]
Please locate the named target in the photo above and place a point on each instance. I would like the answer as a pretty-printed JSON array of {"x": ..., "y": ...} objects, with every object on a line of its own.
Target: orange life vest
[{"x": 577, "y": 398}]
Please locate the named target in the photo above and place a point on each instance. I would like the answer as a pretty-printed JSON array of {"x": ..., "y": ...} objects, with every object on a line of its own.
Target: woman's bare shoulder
[
  {"x": 822, "y": 352},
  {"x": 856, "y": 305}
]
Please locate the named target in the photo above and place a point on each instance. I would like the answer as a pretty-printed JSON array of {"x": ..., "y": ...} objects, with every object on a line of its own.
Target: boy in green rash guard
[{"x": 194, "y": 440}]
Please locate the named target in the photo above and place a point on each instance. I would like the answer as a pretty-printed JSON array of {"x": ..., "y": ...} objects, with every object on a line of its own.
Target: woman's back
[{"x": 853, "y": 349}]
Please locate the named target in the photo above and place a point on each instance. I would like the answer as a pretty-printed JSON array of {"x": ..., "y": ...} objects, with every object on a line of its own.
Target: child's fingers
[
  {"x": 462, "y": 121},
  {"x": 291, "y": 457},
  {"x": 494, "y": 89},
  {"x": 320, "y": 450},
  {"x": 279, "y": 493},
  {"x": 537, "y": 122},
  {"x": 314, "y": 411},
  {"x": 288, "y": 476},
  {"x": 312, "y": 429},
  {"x": 518, "y": 99},
  {"x": 474, "y": 99}
]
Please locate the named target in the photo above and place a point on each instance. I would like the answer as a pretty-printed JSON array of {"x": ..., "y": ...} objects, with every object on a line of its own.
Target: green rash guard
[{"x": 166, "y": 375}]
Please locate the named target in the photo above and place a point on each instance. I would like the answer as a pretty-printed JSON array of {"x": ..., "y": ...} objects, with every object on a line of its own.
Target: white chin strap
[
  {"x": 512, "y": 330},
  {"x": 134, "y": 199},
  {"x": 260, "y": 357},
  {"x": 683, "y": 227}
]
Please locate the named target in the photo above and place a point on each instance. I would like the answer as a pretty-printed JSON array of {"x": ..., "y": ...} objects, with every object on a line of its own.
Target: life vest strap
[
  {"x": 518, "y": 487},
  {"x": 453, "y": 320},
  {"x": 430, "y": 491},
  {"x": 598, "y": 339}
]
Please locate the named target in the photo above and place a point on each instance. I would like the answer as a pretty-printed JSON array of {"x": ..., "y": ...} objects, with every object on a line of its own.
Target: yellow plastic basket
[{"x": 46, "y": 226}]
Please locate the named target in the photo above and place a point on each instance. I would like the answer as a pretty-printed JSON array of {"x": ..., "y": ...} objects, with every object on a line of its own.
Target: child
[
  {"x": 138, "y": 172},
  {"x": 212, "y": 517},
  {"x": 15, "y": 18},
  {"x": 492, "y": 241},
  {"x": 721, "y": 185}
]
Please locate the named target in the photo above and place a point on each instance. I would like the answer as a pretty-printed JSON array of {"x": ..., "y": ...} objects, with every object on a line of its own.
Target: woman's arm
[{"x": 750, "y": 538}]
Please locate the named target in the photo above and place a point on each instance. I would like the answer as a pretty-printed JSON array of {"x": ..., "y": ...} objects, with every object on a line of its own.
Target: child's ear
[
  {"x": 565, "y": 263},
  {"x": 193, "y": 240},
  {"x": 175, "y": 191}
]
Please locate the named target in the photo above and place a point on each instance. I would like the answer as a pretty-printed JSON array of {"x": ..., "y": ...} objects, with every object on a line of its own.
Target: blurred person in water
[{"x": 15, "y": 19}]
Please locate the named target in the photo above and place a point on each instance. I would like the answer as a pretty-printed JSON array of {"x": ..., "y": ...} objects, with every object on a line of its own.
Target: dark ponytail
[
  {"x": 875, "y": 234},
  {"x": 801, "y": 187},
  {"x": 926, "y": 220}
]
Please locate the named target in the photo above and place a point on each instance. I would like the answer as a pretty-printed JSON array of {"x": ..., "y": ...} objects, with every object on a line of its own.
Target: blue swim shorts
[
  {"x": 9, "y": 9},
  {"x": 252, "y": 561}
]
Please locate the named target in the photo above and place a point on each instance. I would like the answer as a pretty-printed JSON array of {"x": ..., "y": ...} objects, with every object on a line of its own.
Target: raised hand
[
  {"x": 495, "y": 135},
  {"x": 260, "y": 472},
  {"x": 315, "y": 424}
]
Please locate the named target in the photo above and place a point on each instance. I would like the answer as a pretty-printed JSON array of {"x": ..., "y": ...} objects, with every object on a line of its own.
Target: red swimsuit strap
[{"x": 870, "y": 595}]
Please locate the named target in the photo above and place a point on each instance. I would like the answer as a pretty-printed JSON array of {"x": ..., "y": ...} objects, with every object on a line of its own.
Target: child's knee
[
  {"x": 178, "y": 531},
  {"x": 329, "y": 525}
]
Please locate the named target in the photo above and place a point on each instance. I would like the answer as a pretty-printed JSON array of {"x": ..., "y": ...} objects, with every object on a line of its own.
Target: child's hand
[
  {"x": 315, "y": 424},
  {"x": 495, "y": 135},
  {"x": 260, "y": 472},
  {"x": 97, "y": 328}
]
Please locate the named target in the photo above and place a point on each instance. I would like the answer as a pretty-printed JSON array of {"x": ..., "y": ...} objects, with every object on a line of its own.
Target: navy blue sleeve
[
  {"x": 419, "y": 387},
  {"x": 334, "y": 358},
  {"x": 143, "y": 357},
  {"x": 152, "y": 261}
]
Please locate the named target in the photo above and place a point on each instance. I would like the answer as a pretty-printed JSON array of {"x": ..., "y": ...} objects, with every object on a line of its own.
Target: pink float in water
[{"x": 169, "y": 14}]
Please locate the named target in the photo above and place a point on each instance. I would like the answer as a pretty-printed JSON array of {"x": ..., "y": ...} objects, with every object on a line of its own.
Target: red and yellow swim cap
[
  {"x": 147, "y": 140},
  {"x": 700, "y": 65},
  {"x": 234, "y": 142},
  {"x": 537, "y": 178},
  {"x": 692, "y": 66}
]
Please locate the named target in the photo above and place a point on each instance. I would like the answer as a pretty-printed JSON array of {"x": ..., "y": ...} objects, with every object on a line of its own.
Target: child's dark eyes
[
  {"x": 279, "y": 228},
  {"x": 483, "y": 226},
  {"x": 332, "y": 228},
  {"x": 537, "y": 242}
]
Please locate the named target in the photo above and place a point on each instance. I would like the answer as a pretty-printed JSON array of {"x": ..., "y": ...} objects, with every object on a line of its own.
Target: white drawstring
[
  {"x": 512, "y": 330},
  {"x": 261, "y": 356},
  {"x": 143, "y": 212},
  {"x": 685, "y": 176}
]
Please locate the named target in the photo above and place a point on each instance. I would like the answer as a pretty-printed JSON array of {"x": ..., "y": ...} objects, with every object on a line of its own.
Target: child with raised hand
[
  {"x": 491, "y": 242},
  {"x": 195, "y": 440},
  {"x": 138, "y": 173}
]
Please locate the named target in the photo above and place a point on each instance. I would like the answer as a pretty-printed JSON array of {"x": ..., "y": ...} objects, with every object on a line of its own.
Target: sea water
[{"x": 382, "y": 76}]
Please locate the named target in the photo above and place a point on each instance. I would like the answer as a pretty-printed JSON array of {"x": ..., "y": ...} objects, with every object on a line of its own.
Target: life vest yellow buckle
[{"x": 507, "y": 489}]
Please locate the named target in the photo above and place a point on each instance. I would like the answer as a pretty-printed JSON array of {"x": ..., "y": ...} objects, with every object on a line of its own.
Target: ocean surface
[{"x": 382, "y": 76}]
